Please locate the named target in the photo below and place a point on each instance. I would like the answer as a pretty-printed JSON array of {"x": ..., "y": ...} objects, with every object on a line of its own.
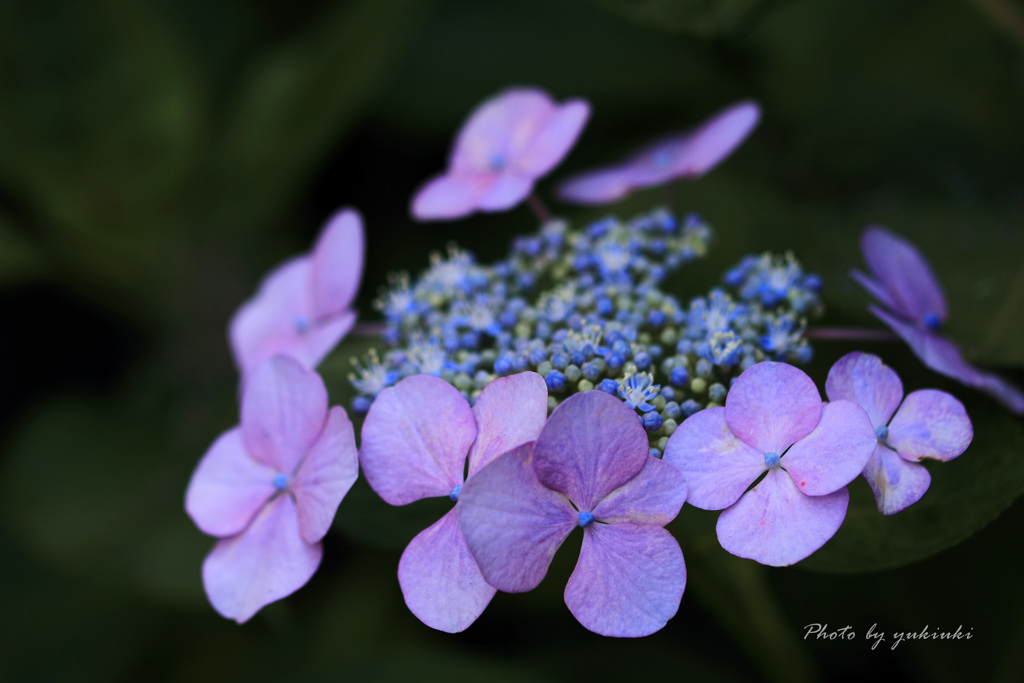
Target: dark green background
[{"x": 158, "y": 156}]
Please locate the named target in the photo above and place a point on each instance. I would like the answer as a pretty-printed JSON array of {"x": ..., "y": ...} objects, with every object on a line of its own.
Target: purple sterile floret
[
  {"x": 914, "y": 307},
  {"x": 590, "y": 468},
  {"x": 507, "y": 143},
  {"x": 270, "y": 488},
  {"x": 684, "y": 155},
  {"x": 416, "y": 441},
  {"x": 773, "y": 424},
  {"x": 928, "y": 425},
  {"x": 303, "y": 307}
]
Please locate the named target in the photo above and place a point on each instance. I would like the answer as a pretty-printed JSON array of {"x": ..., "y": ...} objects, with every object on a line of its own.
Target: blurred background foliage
[{"x": 158, "y": 156}]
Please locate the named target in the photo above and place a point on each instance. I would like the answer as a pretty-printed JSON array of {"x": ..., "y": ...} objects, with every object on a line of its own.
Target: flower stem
[
  {"x": 538, "y": 208},
  {"x": 368, "y": 329},
  {"x": 850, "y": 334}
]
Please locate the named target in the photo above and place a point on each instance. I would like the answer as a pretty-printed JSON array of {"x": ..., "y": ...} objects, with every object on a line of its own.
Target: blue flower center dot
[
  {"x": 301, "y": 324},
  {"x": 498, "y": 162},
  {"x": 931, "y": 321},
  {"x": 280, "y": 481},
  {"x": 454, "y": 495},
  {"x": 662, "y": 159},
  {"x": 585, "y": 519},
  {"x": 771, "y": 459},
  {"x": 882, "y": 432}
]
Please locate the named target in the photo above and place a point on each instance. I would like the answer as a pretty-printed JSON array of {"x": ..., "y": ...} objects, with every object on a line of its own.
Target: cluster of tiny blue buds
[{"x": 586, "y": 310}]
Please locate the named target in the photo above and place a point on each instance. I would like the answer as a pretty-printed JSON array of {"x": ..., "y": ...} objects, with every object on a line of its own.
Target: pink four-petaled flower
[
  {"x": 928, "y": 425},
  {"x": 416, "y": 441},
  {"x": 269, "y": 489},
  {"x": 303, "y": 307},
  {"x": 773, "y": 424},
  {"x": 508, "y": 142}
]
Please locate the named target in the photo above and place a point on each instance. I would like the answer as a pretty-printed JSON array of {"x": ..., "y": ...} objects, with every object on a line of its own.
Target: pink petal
[
  {"x": 509, "y": 412},
  {"x": 507, "y": 190},
  {"x": 266, "y": 323},
  {"x": 654, "y": 496},
  {"x": 772, "y": 406},
  {"x": 228, "y": 487},
  {"x": 415, "y": 440},
  {"x": 503, "y": 126},
  {"x": 512, "y": 523},
  {"x": 836, "y": 451},
  {"x": 930, "y": 425},
  {"x": 264, "y": 563},
  {"x": 904, "y": 273},
  {"x": 592, "y": 444},
  {"x": 596, "y": 187},
  {"x": 325, "y": 476},
  {"x": 716, "y": 138},
  {"x": 943, "y": 356},
  {"x": 440, "y": 580},
  {"x": 717, "y": 466},
  {"x": 628, "y": 581},
  {"x": 865, "y": 380},
  {"x": 450, "y": 196},
  {"x": 337, "y": 263},
  {"x": 554, "y": 139},
  {"x": 896, "y": 483},
  {"x": 283, "y": 412},
  {"x": 774, "y": 524}
]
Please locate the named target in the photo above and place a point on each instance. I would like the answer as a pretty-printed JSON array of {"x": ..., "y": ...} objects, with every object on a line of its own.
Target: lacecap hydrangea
[{"x": 587, "y": 309}]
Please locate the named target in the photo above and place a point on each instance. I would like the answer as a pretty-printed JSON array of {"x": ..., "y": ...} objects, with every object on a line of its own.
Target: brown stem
[{"x": 538, "y": 208}]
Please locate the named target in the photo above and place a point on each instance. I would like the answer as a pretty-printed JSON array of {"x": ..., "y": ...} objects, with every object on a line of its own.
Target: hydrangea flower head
[
  {"x": 508, "y": 142},
  {"x": 589, "y": 468},
  {"x": 302, "y": 308},
  {"x": 914, "y": 307},
  {"x": 685, "y": 155},
  {"x": 416, "y": 441},
  {"x": 269, "y": 489},
  {"x": 926, "y": 425},
  {"x": 773, "y": 427}
]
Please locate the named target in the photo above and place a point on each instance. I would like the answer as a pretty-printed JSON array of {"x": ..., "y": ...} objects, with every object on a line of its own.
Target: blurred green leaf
[
  {"x": 295, "y": 103},
  {"x": 965, "y": 495},
  {"x": 20, "y": 259},
  {"x": 99, "y": 124},
  {"x": 89, "y": 485}
]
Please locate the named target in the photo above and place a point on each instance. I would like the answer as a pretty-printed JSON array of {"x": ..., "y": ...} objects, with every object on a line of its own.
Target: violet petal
[
  {"x": 653, "y": 496},
  {"x": 716, "y": 139},
  {"x": 592, "y": 444},
  {"x": 450, "y": 196},
  {"x": 943, "y": 356},
  {"x": 509, "y": 412},
  {"x": 415, "y": 440},
  {"x": 896, "y": 483},
  {"x": 325, "y": 476},
  {"x": 228, "y": 487},
  {"x": 264, "y": 563},
  {"x": 864, "y": 379},
  {"x": 337, "y": 263},
  {"x": 905, "y": 274},
  {"x": 440, "y": 580},
  {"x": 774, "y": 524},
  {"x": 507, "y": 190},
  {"x": 512, "y": 523},
  {"x": 628, "y": 581},
  {"x": 283, "y": 412},
  {"x": 265, "y": 324},
  {"x": 500, "y": 130},
  {"x": 717, "y": 466},
  {"x": 554, "y": 139},
  {"x": 930, "y": 425},
  {"x": 836, "y": 451},
  {"x": 597, "y": 187},
  {"x": 772, "y": 406}
]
